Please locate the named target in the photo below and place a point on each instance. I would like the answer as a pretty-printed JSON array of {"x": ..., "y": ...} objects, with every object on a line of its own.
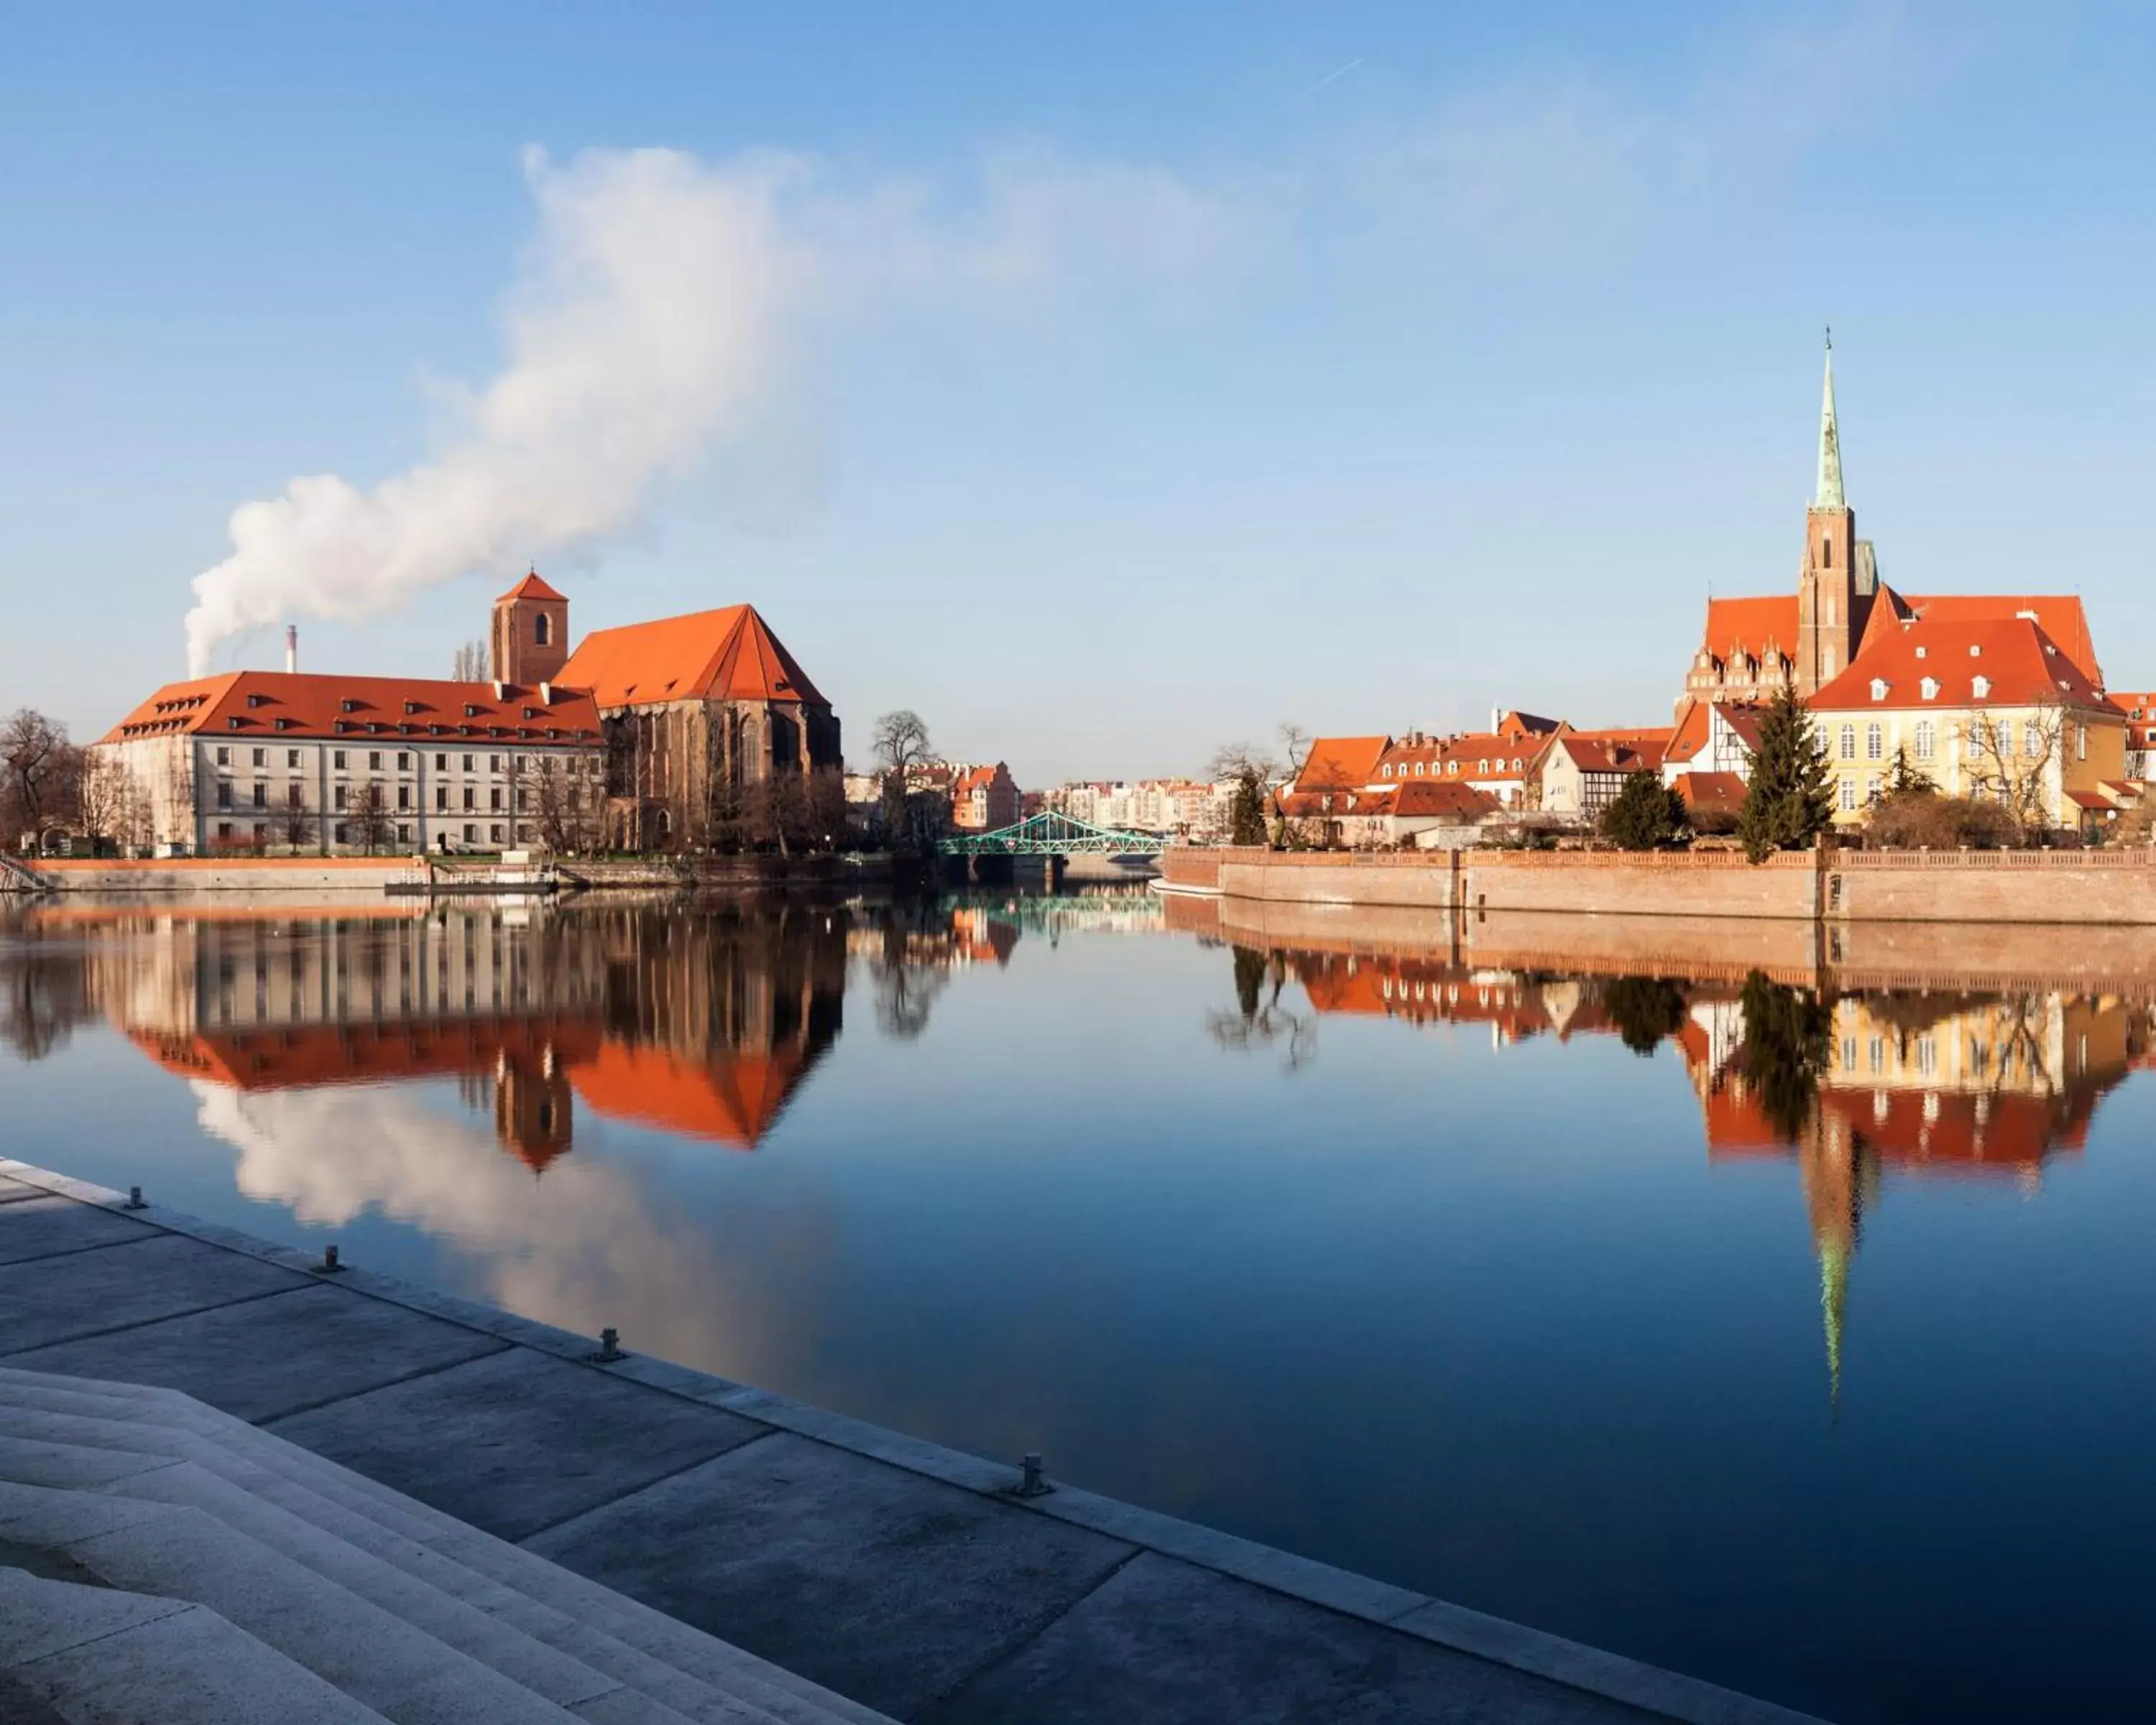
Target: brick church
[
  {"x": 1752, "y": 646},
  {"x": 690, "y": 707}
]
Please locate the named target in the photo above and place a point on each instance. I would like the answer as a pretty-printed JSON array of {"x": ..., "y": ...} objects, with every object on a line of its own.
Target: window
[
  {"x": 978, "y": 798},
  {"x": 292, "y": 798},
  {"x": 224, "y": 830},
  {"x": 262, "y": 757},
  {"x": 224, "y": 755},
  {"x": 472, "y": 834},
  {"x": 404, "y": 831},
  {"x": 517, "y": 763},
  {"x": 469, "y": 797},
  {"x": 404, "y": 761},
  {"x": 1826, "y": 562},
  {"x": 1875, "y": 742},
  {"x": 1418, "y": 770},
  {"x": 2080, "y": 743},
  {"x": 542, "y": 628},
  {"x": 441, "y": 796},
  {"x": 338, "y": 797},
  {"x": 1879, "y": 688},
  {"x": 1452, "y": 766},
  {"x": 1871, "y": 790},
  {"x": 494, "y": 834},
  {"x": 336, "y": 760},
  {"x": 261, "y": 795},
  {"x": 1849, "y": 743},
  {"x": 341, "y": 834},
  {"x": 1930, "y": 688},
  {"x": 2032, "y": 739},
  {"x": 374, "y": 760},
  {"x": 494, "y": 764},
  {"x": 1849, "y": 793},
  {"x": 1927, "y": 739},
  {"x": 2004, "y": 733},
  {"x": 468, "y": 763},
  {"x": 1928, "y": 1055},
  {"x": 1875, "y": 1054},
  {"x": 1481, "y": 768},
  {"x": 404, "y": 796},
  {"x": 224, "y": 793},
  {"x": 1388, "y": 773},
  {"x": 291, "y": 757},
  {"x": 1980, "y": 687},
  {"x": 493, "y": 797},
  {"x": 441, "y": 763}
]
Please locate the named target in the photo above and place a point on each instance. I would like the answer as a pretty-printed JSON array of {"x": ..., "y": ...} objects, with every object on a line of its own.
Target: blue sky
[{"x": 1107, "y": 384}]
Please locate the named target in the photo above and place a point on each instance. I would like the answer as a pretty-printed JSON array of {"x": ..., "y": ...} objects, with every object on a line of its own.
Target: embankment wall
[
  {"x": 2085, "y": 888},
  {"x": 189, "y": 874}
]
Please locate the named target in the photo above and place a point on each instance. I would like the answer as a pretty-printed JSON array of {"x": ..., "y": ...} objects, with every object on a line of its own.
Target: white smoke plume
[{"x": 647, "y": 324}]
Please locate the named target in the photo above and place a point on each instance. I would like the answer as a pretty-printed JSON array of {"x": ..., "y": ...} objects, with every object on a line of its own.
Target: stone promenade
[{"x": 908, "y": 1577}]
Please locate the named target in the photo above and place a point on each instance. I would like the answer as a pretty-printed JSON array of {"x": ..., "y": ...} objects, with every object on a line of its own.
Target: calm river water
[{"x": 1777, "y": 1312}]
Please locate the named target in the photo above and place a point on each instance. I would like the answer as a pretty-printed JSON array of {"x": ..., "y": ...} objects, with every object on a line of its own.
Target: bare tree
[
  {"x": 1239, "y": 760},
  {"x": 471, "y": 663},
  {"x": 914, "y": 816},
  {"x": 370, "y": 816},
  {"x": 900, "y": 740},
  {"x": 293, "y": 821},
  {"x": 1295, "y": 744},
  {"x": 40, "y": 775},
  {"x": 562, "y": 797},
  {"x": 2015, "y": 762},
  {"x": 115, "y": 805}
]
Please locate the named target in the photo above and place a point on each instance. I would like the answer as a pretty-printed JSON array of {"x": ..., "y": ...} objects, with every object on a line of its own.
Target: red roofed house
[
  {"x": 1578, "y": 773},
  {"x": 1988, "y": 709},
  {"x": 2140, "y": 710},
  {"x": 1752, "y": 646},
  {"x": 285, "y": 760},
  {"x": 983, "y": 799}
]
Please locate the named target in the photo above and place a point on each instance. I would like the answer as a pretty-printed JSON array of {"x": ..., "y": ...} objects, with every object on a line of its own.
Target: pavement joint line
[
  {"x": 417, "y": 1372},
  {"x": 180, "y": 1608},
  {"x": 1537, "y": 1653},
  {"x": 621, "y": 1498},
  {"x": 144, "y": 1323},
  {"x": 77, "y": 1251},
  {"x": 1026, "y": 1637}
]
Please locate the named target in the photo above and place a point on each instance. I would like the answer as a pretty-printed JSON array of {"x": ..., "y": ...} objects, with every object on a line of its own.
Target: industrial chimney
[{"x": 291, "y": 648}]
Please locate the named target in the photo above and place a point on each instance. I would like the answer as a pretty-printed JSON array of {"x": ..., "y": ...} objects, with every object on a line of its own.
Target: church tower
[
  {"x": 530, "y": 635},
  {"x": 1836, "y": 581}
]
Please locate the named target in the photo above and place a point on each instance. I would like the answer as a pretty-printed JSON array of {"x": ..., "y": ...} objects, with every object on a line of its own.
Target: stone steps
[{"x": 125, "y": 1480}]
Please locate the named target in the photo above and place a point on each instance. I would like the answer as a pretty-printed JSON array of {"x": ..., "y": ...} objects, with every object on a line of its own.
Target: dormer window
[
  {"x": 1975, "y": 652},
  {"x": 470, "y": 710},
  {"x": 348, "y": 706},
  {"x": 1879, "y": 688},
  {"x": 1930, "y": 688},
  {"x": 411, "y": 707},
  {"x": 256, "y": 700},
  {"x": 1980, "y": 687},
  {"x": 1920, "y": 652}
]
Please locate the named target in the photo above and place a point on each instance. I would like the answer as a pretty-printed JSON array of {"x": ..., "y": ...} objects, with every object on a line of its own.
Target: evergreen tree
[
  {"x": 1246, "y": 813},
  {"x": 1904, "y": 780},
  {"x": 1787, "y": 804},
  {"x": 1646, "y": 814}
]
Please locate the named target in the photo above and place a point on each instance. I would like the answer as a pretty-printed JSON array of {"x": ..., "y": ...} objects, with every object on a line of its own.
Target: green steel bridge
[{"x": 1053, "y": 833}]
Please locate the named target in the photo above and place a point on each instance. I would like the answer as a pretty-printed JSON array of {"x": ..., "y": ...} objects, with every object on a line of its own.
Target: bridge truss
[{"x": 1052, "y": 832}]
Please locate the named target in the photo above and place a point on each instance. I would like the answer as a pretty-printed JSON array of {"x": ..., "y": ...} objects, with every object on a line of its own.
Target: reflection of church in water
[
  {"x": 700, "y": 1023},
  {"x": 1907, "y": 1083}
]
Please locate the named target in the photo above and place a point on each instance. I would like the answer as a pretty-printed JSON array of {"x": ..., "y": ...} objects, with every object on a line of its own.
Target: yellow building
[{"x": 1991, "y": 708}]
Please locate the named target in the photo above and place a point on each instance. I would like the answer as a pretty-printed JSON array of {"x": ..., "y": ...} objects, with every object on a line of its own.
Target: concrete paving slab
[
  {"x": 268, "y": 1358},
  {"x": 190, "y": 1668},
  {"x": 1164, "y": 1641},
  {"x": 57, "y": 1299},
  {"x": 41, "y": 1226},
  {"x": 876, "y": 1582},
  {"x": 516, "y": 1441},
  {"x": 11, "y": 1190}
]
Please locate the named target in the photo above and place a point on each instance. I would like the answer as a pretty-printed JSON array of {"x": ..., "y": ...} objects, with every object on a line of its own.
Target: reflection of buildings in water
[
  {"x": 700, "y": 1023},
  {"x": 1985, "y": 1086}
]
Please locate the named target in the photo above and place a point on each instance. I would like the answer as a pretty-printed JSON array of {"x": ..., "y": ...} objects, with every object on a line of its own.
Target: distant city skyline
[{"x": 1104, "y": 389}]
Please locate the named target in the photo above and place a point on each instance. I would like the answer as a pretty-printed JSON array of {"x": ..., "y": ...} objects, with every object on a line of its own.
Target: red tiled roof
[
  {"x": 2059, "y": 615},
  {"x": 532, "y": 587},
  {"x": 1594, "y": 753},
  {"x": 729, "y": 654},
  {"x": 2020, "y": 662},
  {"x": 1444, "y": 798},
  {"x": 1717, "y": 793},
  {"x": 1737, "y": 626},
  {"x": 1340, "y": 763},
  {"x": 731, "y": 1099},
  {"x": 260, "y": 705},
  {"x": 1479, "y": 754}
]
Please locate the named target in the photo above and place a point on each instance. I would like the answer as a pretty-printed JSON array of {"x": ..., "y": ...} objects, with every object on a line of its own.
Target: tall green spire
[{"x": 1830, "y": 469}]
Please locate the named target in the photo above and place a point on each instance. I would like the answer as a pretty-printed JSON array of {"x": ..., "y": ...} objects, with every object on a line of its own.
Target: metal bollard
[
  {"x": 1030, "y": 1483},
  {"x": 610, "y": 1346},
  {"x": 134, "y": 1199},
  {"x": 330, "y": 1265}
]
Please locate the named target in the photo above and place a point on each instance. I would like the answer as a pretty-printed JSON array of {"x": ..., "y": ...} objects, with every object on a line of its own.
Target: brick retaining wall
[{"x": 2083, "y": 887}]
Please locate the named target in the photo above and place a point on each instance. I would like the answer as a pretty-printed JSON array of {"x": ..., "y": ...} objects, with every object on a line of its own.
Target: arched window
[{"x": 543, "y": 630}]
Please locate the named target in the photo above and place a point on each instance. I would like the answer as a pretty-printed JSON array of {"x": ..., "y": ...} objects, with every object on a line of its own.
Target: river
[{"x": 1792, "y": 1331}]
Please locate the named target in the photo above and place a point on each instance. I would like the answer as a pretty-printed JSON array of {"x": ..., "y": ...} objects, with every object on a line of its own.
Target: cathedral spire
[{"x": 1830, "y": 466}]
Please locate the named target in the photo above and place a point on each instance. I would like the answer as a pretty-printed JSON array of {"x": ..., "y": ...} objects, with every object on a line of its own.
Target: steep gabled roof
[
  {"x": 532, "y": 587},
  {"x": 1340, "y": 763},
  {"x": 2020, "y": 664},
  {"x": 728, "y": 654},
  {"x": 1444, "y": 798},
  {"x": 2059, "y": 615},
  {"x": 1752, "y": 626}
]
